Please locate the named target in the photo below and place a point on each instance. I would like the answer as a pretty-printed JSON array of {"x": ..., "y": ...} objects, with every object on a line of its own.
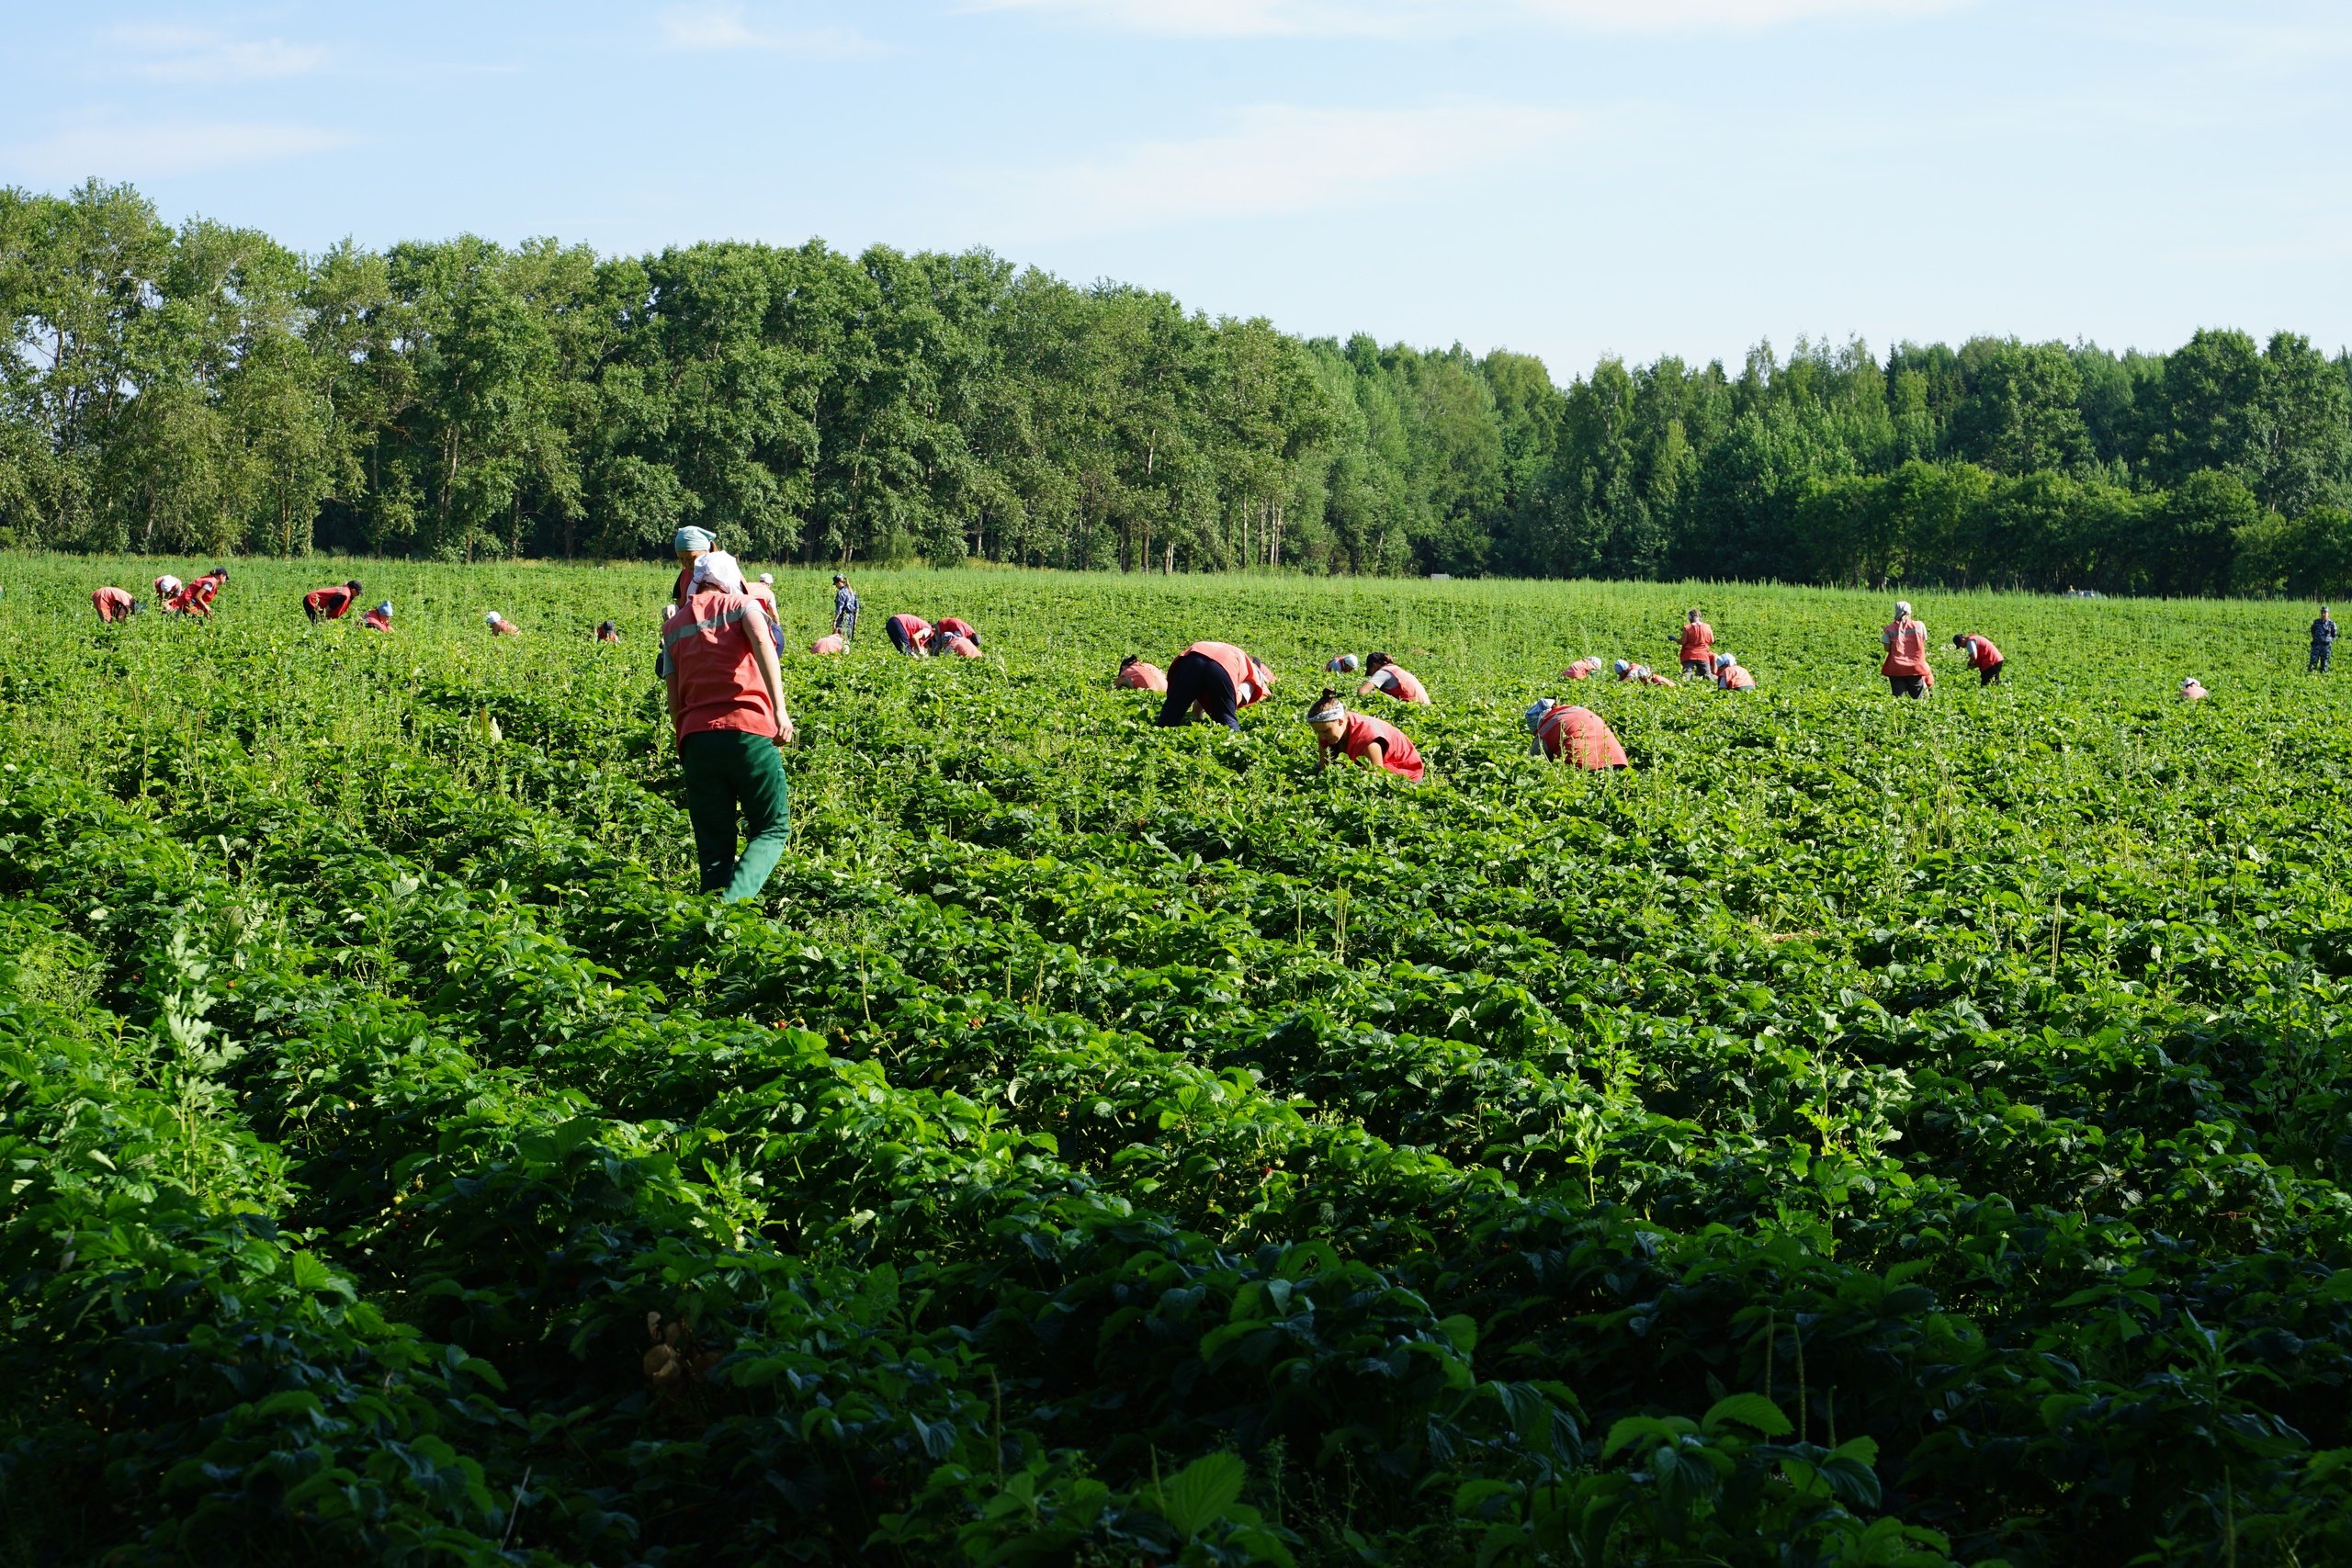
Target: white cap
[
  {"x": 494, "y": 617},
  {"x": 719, "y": 569}
]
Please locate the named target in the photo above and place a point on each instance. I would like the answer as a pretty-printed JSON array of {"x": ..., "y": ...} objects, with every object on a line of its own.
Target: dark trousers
[
  {"x": 724, "y": 769},
  {"x": 1198, "y": 678},
  {"x": 898, "y": 637},
  {"x": 1908, "y": 685},
  {"x": 1990, "y": 674},
  {"x": 2320, "y": 652}
]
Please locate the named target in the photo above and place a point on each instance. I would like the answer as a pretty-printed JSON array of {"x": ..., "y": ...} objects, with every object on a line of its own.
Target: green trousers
[{"x": 726, "y": 769}]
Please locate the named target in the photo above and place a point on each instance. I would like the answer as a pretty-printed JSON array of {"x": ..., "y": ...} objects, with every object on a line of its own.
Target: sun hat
[
  {"x": 768, "y": 577},
  {"x": 494, "y": 617}
]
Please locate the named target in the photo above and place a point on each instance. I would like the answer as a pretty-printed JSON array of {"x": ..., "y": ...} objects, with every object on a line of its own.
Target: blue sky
[{"x": 1563, "y": 177}]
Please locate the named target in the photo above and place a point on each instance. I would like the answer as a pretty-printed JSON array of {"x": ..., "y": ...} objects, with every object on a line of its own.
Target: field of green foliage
[{"x": 1862, "y": 1132}]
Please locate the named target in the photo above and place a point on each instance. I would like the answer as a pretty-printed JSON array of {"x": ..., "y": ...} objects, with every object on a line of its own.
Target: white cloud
[
  {"x": 1394, "y": 18},
  {"x": 193, "y": 54},
  {"x": 727, "y": 27},
  {"x": 160, "y": 149},
  {"x": 1275, "y": 160}
]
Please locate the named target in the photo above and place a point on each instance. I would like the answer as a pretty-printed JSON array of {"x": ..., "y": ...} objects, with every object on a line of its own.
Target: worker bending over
[
  {"x": 1576, "y": 735},
  {"x": 379, "y": 619},
  {"x": 1983, "y": 657},
  {"x": 1583, "y": 669},
  {"x": 1382, "y": 674},
  {"x": 1135, "y": 675},
  {"x": 1641, "y": 675},
  {"x": 1216, "y": 680},
  {"x": 113, "y": 605},
  {"x": 500, "y": 625},
  {"x": 911, "y": 635},
  {"x": 1731, "y": 675},
  {"x": 331, "y": 604},
  {"x": 1360, "y": 738}
]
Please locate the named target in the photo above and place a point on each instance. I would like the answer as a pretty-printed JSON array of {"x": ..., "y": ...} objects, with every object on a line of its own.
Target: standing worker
[
  {"x": 1215, "y": 679},
  {"x": 1382, "y": 674},
  {"x": 1360, "y": 738},
  {"x": 1983, "y": 657},
  {"x": 1576, "y": 735},
  {"x": 2322, "y": 643},
  {"x": 1697, "y": 642},
  {"x": 689, "y": 545},
  {"x": 331, "y": 604},
  {"x": 1905, "y": 666},
  {"x": 844, "y": 610},
  {"x": 113, "y": 604},
  {"x": 725, "y": 692}
]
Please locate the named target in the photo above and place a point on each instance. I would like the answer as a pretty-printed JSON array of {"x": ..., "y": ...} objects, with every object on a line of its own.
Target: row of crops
[{"x": 1862, "y": 1134}]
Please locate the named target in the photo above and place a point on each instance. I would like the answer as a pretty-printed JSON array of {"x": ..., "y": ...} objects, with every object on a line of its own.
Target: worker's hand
[{"x": 784, "y": 732}]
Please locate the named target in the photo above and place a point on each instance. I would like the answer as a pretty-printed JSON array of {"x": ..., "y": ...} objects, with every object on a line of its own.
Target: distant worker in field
[
  {"x": 1983, "y": 657},
  {"x": 1698, "y": 647},
  {"x": 1640, "y": 674},
  {"x": 166, "y": 586},
  {"x": 831, "y": 643},
  {"x": 113, "y": 605},
  {"x": 1135, "y": 675},
  {"x": 608, "y": 631},
  {"x": 911, "y": 635},
  {"x": 379, "y": 619},
  {"x": 725, "y": 692},
  {"x": 1576, "y": 735},
  {"x": 501, "y": 626},
  {"x": 196, "y": 599},
  {"x": 331, "y": 604},
  {"x": 2192, "y": 690},
  {"x": 844, "y": 610},
  {"x": 1731, "y": 675},
  {"x": 1360, "y": 738},
  {"x": 951, "y": 626},
  {"x": 1215, "y": 679},
  {"x": 1905, "y": 665},
  {"x": 1343, "y": 664},
  {"x": 1583, "y": 669},
  {"x": 955, "y": 645},
  {"x": 1382, "y": 674},
  {"x": 2322, "y": 643},
  {"x": 689, "y": 545}
]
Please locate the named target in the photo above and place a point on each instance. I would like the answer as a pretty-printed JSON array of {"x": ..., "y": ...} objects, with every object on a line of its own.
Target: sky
[{"x": 1568, "y": 178}]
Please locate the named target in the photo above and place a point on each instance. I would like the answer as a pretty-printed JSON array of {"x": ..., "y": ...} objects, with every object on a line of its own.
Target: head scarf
[
  {"x": 1536, "y": 710},
  {"x": 693, "y": 538},
  {"x": 1903, "y": 609},
  {"x": 494, "y": 617},
  {"x": 768, "y": 577},
  {"x": 1621, "y": 667},
  {"x": 1345, "y": 664},
  {"x": 1324, "y": 713},
  {"x": 385, "y": 608},
  {"x": 1722, "y": 659},
  {"x": 719, "y": 570}
]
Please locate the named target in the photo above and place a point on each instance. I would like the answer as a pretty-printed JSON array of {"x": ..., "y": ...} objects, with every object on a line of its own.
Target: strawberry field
[{"x": 1861, "y": 1132}]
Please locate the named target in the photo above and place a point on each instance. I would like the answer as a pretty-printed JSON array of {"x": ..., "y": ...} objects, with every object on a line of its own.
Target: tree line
[{"x": 204, "y": 389}]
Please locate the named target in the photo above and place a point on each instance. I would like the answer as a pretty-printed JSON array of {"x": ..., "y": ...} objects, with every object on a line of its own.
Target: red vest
[
  {"x": 1735, "y": 678},
  {"x": 960, "y": 628},
  {"x": 717, "y": 671},
  {"x": 918, "y": 630},
  {"x": 1142, "y": 677},
  {"x": 111, "y": 604},
  {"x": 1698, "y": 641},
  {"x": 1906, "y": 650},
  {"x": 1397, "y": 754},
  {"x": 1580, "y": 736},
  {"x": 1249, "y": 677},
  {"x": 1406, "y": 686},
  {"x": 960, "y": 645},
  {"x": 377, "y": 621},
  {"x": 332, "y": 603},
  {"x": 1582, "y": 669},
  {"x": 1982, "y": 655}
]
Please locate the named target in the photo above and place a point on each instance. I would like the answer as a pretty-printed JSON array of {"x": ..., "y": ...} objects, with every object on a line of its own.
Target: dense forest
[{"x": 204, "y": 389}]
